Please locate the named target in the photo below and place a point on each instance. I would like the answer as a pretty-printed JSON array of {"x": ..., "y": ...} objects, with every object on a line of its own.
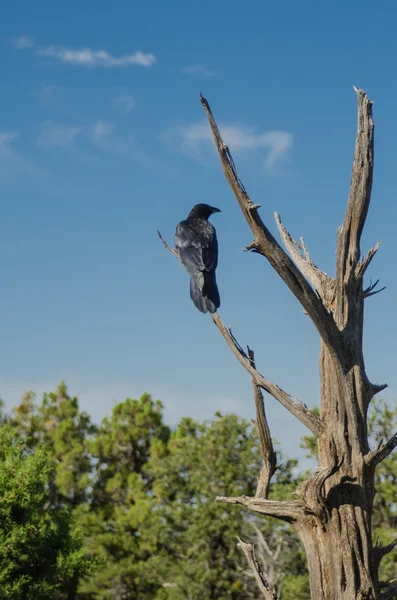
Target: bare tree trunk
[{"x": 333, "y": 513}]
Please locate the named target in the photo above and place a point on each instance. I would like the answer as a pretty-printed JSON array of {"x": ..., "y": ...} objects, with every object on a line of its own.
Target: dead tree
[{"x": 332, "y": 514}]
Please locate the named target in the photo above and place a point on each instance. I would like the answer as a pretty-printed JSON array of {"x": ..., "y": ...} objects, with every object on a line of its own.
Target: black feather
[{"x": 197, "y": 245}]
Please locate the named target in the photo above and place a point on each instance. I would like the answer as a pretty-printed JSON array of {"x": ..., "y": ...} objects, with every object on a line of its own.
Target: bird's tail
[
  {"x": 211, "y": 292},
  {"x": 197, "y": 296},
  {"x": 207, "y": 298}
]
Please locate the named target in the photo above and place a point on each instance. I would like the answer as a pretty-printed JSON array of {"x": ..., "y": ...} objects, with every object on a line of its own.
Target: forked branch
[
  {"x": 381, "y": 550},
  {"x": 320, "y": 281},
  {"x": 298, "y": 409},
  {"x": 376, "y": 456},
  {"x": 370, "y": 291},
  {"x": 267, "y": 591},
  {"x": 265, "y": 244}
]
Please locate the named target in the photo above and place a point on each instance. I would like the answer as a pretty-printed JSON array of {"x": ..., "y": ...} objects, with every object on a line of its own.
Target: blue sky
[{"x": 103, "y": 141}]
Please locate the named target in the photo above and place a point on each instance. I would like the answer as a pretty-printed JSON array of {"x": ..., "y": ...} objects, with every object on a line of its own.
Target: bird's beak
[{"x": 215, "y": 210}]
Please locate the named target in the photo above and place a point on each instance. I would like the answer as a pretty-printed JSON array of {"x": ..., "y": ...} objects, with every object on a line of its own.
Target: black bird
[{"x": 197, "y": 246}]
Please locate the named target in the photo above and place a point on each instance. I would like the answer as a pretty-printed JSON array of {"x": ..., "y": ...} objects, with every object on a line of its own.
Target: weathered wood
[
  {"x": 333, "y": 513},
  {"x": 262, "y": 428},
  {"x": 265, "y": 244},
  {"x": 290, "y": 511},
  {"x": 334, "y": 521},
  {"x": 267, "y": 592},
  {"x": 298, "y": 409}
]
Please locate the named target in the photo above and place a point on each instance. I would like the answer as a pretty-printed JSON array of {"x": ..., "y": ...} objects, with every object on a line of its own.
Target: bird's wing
[{"x": 197, "y": 248}]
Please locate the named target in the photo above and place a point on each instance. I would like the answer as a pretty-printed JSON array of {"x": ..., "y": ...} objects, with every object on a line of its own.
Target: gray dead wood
[{"x": 333, "y": 513}]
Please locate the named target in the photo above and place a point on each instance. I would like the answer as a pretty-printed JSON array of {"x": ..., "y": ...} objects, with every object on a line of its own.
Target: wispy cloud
[
  {"x": 193, "y": 140},
  {"x": 101, "y": 129},
  {"x": 125, "y": 103},
  {"x": 198, "y": 70},
  {"x": 57, "y": 135},
  {"x": 16, "y": 167},
  {"x": 86, "y": 57},
  {"x": 23, "y": 41},
  {"x": 49, "y": 92},
  {"x": 6, "y": 139}
]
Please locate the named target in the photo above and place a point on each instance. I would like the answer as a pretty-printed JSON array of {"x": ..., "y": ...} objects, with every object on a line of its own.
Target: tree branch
[
  {"x": 172, "y": 250},
  {"x": 373, "y": 458},
  {"x": 298, "y": 409},
  {"x": 349, "y": 271},
  {"x": 265, "y": 244},
  {"x": 262, "y": 428},
  {"x": 320, "y": 281},
  {"x": 380, "y": 550},
  {"x": 369, "y": 291},
  {"x": 289, "y": 511},
  {"x": 390, "y": 592},
  {"x": 364, "y": 264},
  {"x": 267, "y": 592}
]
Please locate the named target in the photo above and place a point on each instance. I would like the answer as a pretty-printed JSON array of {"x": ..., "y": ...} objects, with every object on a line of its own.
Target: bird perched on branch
[{"x": 197, "y": 246}]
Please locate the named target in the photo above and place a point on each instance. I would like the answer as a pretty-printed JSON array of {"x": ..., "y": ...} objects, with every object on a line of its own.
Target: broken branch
[
  {"x": 267, "y": 591},
  {"x": 262, "y": 428},
  {"x": 373, "y": 458},
  {"x": 364, "y": 264},
  {"x": 318, "y": 279},
  {"x": 289, "y": 511}
]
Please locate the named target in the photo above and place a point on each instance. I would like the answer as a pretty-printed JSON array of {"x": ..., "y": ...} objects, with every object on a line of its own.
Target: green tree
[
  {"x": 65, "y": 430},
  {"x": 382, "y": 425},
  {"x": 153, "y": 515},
  {"x": 41, "y": 552},
  {"x": 121, "y": 521},
  {"x": 202, "y": 461}
]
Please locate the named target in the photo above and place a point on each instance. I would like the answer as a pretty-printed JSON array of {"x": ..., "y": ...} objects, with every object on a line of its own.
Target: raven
[{"x": 197, "y": 246}]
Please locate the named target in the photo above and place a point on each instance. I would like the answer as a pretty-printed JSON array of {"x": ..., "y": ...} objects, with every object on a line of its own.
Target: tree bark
[{"x": 333, "y": 513}]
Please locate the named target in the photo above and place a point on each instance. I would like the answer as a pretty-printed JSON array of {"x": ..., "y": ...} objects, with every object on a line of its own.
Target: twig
[
  {"x": 267, "y": 591},
  {"x": 373, "y": 458},
  {"x": 269, "y": 455},
  {"x": 318, "y": 279},
  {"x": 364, "y": 264}
]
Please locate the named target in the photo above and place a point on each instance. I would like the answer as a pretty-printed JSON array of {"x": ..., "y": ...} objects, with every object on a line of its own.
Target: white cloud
[
  {"x": 49, "y": 92},
  {"x": 101, "y": 129},
  {"x": 198, "y": 70},
  {"x": 125, "y": 103},
  {"x": 57, "y": 134},
  {"x": 23, "y": 41},
  {"x": 6, "y": 138},
  {"x": 87, "y": 57},
  {"x": 277, "y": 143}
]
